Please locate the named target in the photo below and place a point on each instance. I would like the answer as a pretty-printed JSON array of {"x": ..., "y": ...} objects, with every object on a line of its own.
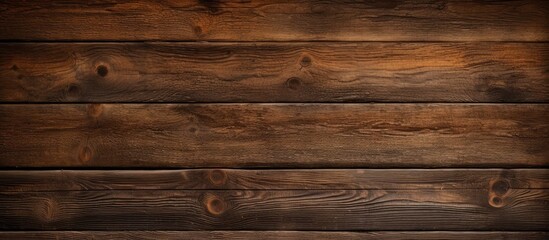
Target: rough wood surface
[
  {"x": 204, "y": 179},
  {"x": 276, "y": 20},
  {"x": 274, "y": 135},
  {"x": 272, "y": 235},
  {"x": 175, "y": 117},
  {"x": 463, "y": 209},
  {"x": 274, "y": 72}
]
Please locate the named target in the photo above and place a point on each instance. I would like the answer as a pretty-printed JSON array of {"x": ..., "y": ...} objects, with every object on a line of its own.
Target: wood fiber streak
[
  {"x": 274, "y": 135},
  {"x": 274, "y": 72},
  {"x": 272, "y": 235},
  {"x": 523, "y": 209},
  {"x": 499, "y": 180},
  {"x": 275, "y": 20}
]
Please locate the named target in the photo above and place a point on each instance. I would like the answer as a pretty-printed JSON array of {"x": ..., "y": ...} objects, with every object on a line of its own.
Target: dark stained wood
[
  {"x": 274, "y": 72},
  {"x": 273, "y": 235},
  {"x": 277, "y": 20},
  {"x": 189, "y": 119},
  {"x": 463, "y": 209},
  {"x": 274, "y": 135},
  {"x": 412, "y": 179}
]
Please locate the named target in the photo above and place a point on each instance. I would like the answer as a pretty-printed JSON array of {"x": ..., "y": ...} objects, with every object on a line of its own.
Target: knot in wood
[
  {"x": 102, "y": 70},
  {"x": 305, "y": 61},
  {"x": 73, "y": 90},
  {"x": 293, "y": 83},
  {"x": 496, "y": 201},
  {"x": 218, "y": 177},
  {"x": 85, "y": 154},
  {"x": 47, "y": 209},
  {"x": 215, "y": 205},
  {"x": 500, "y": 187}
]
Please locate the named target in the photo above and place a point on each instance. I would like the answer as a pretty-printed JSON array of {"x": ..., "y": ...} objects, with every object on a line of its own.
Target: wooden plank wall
[{"x": 274, "y": 119}]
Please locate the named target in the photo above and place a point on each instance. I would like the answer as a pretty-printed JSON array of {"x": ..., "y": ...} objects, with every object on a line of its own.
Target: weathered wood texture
[
  {"x": 274, "y": 72},
  {"x": 274, "y": 135},
  {"x": 276, "y": 20},
  {"x": 205, "y": 179},
  {"x": 274, "y": 84},
  {"x": 331, "y": 199},
  {"x": 463, "y": 209},
  {"x": 272, "y": 235}
]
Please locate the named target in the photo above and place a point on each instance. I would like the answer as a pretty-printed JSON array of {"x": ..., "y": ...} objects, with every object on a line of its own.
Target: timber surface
[
  {"x": 341, "y": 200},
  {"x": 274, "y": 72},
  {"x": 274, "y": 135},
  {"x": 275, "y": 20},
  {"x": 464, "y": 209},
  {"x": 274, "y": 119},
  {"x": 272, "y": 235}
]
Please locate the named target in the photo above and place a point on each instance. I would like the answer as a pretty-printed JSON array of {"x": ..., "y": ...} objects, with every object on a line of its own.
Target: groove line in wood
[
  {"x": 274, "y": 235},
  {"x": 209, "y": 179}
]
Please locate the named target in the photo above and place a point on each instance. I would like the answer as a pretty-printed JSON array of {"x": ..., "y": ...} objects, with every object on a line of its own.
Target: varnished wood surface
[
  {"x": 499, "y": 180},
  {"x": 274, "y": 72},
  {"x": 272, "y": 235},
  {"x": 274, "y": 135},
  {"x": 463, "y": 209},
  {"x": 275, "y": 20}
]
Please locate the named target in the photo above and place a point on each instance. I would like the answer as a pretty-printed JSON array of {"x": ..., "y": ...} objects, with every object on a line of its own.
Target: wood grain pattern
[
  {"x": 522, "y": 209},
  {"x": 276, "y": 20},
  {"x": 274, "y": 135},
  {"x": 272, "y": 235},
  {"x": 200, "y": 119},
  {"x": 274, "y": 72},
  {"x": 238, "y": 179}
]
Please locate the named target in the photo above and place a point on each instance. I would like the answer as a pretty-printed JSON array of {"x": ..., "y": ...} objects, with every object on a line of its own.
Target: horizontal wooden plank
[
  {"x": 464, "y": 209},
  {"x": 276, "y": 20},
  {"x": 274, "y": 135},
  {"x": 204, "y": 179},
  {"x": 274, "y": 72},
  {"x": 272, "y": 235}
]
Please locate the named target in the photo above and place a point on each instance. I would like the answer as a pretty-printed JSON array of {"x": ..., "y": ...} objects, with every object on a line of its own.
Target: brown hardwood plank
[
  {"x": 464, "y": 209},
  {"x": 274, "y": 135},
  {"x": 272, "y": 235},
  {"x": 274, "y": 72},
  {"x": 276, "y": 20},
  {"x": 204, "y": 179}
]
